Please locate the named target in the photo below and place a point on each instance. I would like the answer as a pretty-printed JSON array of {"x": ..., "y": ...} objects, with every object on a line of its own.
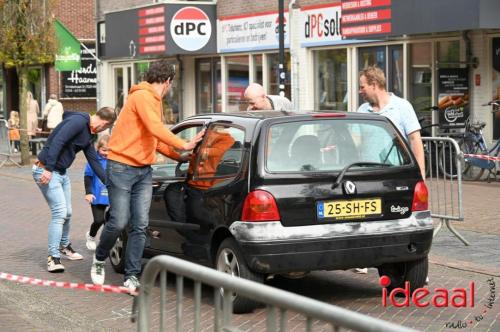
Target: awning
[{"x": 68, "y": 53}]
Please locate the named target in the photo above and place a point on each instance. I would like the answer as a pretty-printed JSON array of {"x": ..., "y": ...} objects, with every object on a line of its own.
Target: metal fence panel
[
  {"x": 443, "y": 163},
  {"x": 274, "y": 298},
  {"x": 5, "y": 147}
]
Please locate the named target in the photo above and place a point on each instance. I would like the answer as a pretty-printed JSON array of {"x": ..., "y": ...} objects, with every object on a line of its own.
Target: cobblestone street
[{"x": 23, "y": 242}]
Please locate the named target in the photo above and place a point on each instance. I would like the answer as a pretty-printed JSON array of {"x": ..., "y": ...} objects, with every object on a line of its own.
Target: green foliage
[{"x": 27, "y": 32}]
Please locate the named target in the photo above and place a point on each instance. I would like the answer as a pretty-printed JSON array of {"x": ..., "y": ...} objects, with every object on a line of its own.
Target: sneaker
[
  {"x": 97, "y": 272},
  {"x": 133, "y": 284},
  {"x": 70, "y": 253},
  {"x": 91, "y": 245},
  {"x": 360, "y": 270},
  {"x": 54, "y": 265}
]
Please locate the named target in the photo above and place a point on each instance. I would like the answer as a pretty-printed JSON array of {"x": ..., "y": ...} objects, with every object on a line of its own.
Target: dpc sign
[
  {"x": 161, "y": 29},
  {"x": 190, "y": 28}
]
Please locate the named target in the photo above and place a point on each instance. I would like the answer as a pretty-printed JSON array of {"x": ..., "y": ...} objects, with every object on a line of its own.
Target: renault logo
[{"x": 349, "y": 187}]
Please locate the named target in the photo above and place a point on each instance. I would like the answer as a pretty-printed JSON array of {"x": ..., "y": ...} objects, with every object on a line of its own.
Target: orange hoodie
[{"x": 139, "y": 131}]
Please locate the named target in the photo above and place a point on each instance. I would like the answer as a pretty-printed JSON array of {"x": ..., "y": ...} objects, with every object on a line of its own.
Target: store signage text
[
  {"x": 363, "y": 4},
  {"x": 190, "y": 28},
  {"x": 366, "y": 18},
  {"x": 81, "y": 83},
  {"x": 321, "y": 24},
  {"x": 249, "y": 32},
  {"x": 151, "y": 23}
]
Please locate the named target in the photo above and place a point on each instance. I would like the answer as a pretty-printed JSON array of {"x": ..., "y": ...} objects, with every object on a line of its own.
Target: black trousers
[{"x": 99, "y": 214}]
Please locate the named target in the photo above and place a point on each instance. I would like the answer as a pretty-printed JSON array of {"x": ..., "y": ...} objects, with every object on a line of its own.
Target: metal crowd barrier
[
  {"x": 444, "y": 163},
  {"x": 5, "y": 147},
  {"x": 274, "y": 298}
]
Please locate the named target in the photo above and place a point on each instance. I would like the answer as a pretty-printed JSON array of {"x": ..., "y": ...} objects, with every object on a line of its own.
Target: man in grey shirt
[{"x": 257, "y": 100}]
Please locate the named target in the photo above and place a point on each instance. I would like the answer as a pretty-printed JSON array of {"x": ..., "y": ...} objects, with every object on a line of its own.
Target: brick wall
[
  {"x": 239, "y": 7},
  {"x": 79, "y": 17}
]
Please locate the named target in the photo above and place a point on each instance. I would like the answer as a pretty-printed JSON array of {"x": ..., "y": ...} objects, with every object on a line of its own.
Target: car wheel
[
  {"x": 415, "y": 272},
  {"x": 230, "y": 260},
  {"x": 117, "y": 253}
]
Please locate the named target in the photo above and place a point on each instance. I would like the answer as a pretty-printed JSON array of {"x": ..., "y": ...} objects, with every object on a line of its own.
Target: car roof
[{"x": 264, "y": 115}]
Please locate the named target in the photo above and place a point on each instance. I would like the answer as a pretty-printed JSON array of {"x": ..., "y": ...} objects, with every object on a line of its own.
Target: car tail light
[
  {"x": 420, "y": 197},
  {"x": 260, "y": 205}
]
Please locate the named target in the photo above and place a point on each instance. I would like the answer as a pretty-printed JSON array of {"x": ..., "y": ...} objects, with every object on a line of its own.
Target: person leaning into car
[
  {"x": 257, "y": 100},
  {"x": 138, "y": 134},
  {"x": 72, "y": 135},
  {"x": 378, "y": 101}
]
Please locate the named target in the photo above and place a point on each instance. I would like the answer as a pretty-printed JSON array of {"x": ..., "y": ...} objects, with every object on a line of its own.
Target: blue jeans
[
  {"x": 58, "y": 195},
  {"x": 129, "y": 190}
]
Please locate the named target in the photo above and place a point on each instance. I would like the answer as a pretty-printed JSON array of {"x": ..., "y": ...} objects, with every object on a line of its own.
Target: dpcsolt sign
[
  {"x": 81, "y": 83},
  {"x": 166, "y": 29},
  {"x": 321, "y": 25},
  {"x": 250, "y": 32}
]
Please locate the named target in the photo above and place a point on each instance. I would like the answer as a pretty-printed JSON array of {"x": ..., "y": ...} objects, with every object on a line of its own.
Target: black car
[{"x": 284, "y": 193}]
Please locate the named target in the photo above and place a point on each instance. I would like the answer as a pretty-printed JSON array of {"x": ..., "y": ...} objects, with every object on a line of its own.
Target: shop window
[
  {"x": 420, "y": 89},
  {"x": 257, "y": 69},
  {"x": 208, "y": 85},
  {"x": 331, "y": 80},
  {"x": 448, "y": 54},
  {"x": 395, "y": 80},
  {"x": 237, "y": 81},
  {"x": 273, "y": 69},
  {"x": 370, "y": 56}
]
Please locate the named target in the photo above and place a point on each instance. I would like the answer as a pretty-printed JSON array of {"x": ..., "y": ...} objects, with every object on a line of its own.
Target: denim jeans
[
  {"x": 58, "y": 195},
  {"x": 129, "y": 190}
]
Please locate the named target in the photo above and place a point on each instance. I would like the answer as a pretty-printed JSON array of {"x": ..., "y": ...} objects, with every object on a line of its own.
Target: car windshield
[{"x": 331, "y": 145}]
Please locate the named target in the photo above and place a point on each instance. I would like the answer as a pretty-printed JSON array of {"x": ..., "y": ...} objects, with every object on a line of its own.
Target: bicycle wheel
[
  {"x": 470, "y": 171},
  {"x": 447, "y": 161}
]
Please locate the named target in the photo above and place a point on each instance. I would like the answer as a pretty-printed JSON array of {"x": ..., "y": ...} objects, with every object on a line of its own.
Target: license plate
[{"x": 354, "y": 209}]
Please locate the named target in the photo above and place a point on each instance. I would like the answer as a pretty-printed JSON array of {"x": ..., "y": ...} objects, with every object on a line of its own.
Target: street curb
[{"x": 463, "y": 265}]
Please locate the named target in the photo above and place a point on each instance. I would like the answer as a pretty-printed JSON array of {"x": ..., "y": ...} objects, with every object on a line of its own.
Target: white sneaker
[
  {"x": 133, "y": 284},
  {"x": 54, "y": 264},
  {"x": 91, "y": 245},
  {"x": 427, "y": 280},
  {"x": 70, "y": 254},
  {"x": 360, "y": 270},
  {"x": 97, "y": 272}
]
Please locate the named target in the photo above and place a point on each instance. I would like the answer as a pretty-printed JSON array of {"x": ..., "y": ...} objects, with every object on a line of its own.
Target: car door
[{"x": 165, "y": 233}]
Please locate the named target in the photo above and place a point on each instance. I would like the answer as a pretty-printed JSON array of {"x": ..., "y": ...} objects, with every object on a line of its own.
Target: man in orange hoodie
[{"x": 139, "y": 132}]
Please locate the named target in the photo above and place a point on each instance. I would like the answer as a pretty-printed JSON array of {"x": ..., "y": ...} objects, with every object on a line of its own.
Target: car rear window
[{"x": 330, "y": 145}]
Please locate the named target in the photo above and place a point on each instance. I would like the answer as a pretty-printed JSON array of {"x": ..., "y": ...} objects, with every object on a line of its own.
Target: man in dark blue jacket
[{"x": 71, "y": 136}]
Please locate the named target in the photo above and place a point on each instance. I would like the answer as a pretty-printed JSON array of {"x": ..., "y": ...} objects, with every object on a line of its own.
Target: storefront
[{"x": 411, "y": 40}]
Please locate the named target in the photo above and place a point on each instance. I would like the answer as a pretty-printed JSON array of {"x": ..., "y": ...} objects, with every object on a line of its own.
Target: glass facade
[
  {"x": 208, "y": 85},
  {"x": 237, "y": 81},
  {"x": 420, "y": 83},
  {"x": 273, "y": 71},
  {"x": 331, "y": 80}
]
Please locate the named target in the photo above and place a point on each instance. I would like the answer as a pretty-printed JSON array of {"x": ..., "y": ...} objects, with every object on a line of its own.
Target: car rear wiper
[{"x": 359, "y": 163}]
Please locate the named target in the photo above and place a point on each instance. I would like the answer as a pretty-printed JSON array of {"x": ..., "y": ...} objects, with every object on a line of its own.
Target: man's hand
[
  {"x": 89, "y": 198},
  {"x": 45, "y": 177},
  {"x": 192, "y": 143}
]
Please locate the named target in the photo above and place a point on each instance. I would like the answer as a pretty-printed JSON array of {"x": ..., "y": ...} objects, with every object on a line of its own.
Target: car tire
[
  {"x": 230, "y": 260},
  {"x": 415, "y": 272},
  {"x": 117, "y": 253}
]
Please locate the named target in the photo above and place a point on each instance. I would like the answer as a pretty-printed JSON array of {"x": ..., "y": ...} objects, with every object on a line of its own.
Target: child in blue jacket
[{"x": 96, "y": 192}]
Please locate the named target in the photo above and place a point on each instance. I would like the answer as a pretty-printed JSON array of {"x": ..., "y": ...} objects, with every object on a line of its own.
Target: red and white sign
[
  {"x": 321, "y": 24},
  {"x": 152, "y": 30},
  {"x": 375, "y": 15},
  {"x": 370, "y": 29},
  {"x": 364, "y": 4},
  {"x": 190, "y": 28}
]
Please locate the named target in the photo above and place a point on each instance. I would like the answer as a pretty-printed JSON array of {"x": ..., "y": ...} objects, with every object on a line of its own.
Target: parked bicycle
[{"x": 477, "y": 156}]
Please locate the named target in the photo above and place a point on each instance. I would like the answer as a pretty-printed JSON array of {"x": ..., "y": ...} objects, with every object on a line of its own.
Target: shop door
[
  {"x": 122, "y": 81},
  {"x": 390, "y": 60},
  {"x": 208, "y": 85}
]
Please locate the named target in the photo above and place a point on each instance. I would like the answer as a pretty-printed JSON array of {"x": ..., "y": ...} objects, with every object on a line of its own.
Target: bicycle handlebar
[{"x": 493, "y": 102}]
